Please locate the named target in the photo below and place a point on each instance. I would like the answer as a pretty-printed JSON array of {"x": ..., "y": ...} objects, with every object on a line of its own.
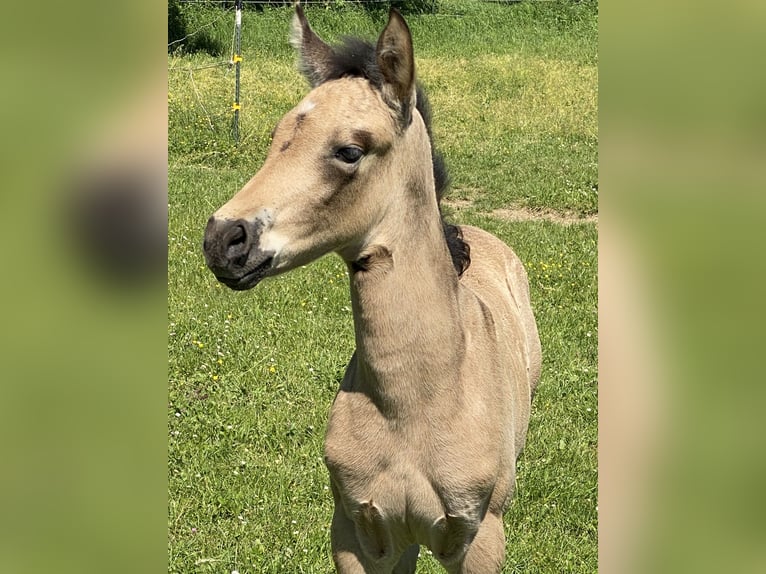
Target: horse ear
[
  {"x": 314, "y": 55},
  {"x": 397, "y": 64}
]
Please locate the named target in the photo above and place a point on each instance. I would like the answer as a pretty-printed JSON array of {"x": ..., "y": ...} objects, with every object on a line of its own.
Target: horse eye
[{"x": 350, "y": 154}]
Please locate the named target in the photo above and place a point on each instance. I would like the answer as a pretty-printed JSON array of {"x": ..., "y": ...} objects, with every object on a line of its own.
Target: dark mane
[{"x": 355, "y": 57}]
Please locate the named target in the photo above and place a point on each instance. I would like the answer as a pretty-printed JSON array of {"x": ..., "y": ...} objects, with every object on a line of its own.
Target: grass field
[{"x": 253, "y": 374}]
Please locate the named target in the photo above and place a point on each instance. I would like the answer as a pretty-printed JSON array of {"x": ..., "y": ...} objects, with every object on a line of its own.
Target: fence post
[{"x": 237, "y": 59}]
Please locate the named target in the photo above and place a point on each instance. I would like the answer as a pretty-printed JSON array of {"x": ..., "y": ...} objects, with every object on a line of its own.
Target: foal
[{"x": 432, "y": 412}]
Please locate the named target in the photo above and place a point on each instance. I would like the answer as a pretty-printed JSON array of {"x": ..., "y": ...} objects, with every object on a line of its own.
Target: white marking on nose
[
  {"x": 270, "y": 240},
  {"x": 265, "y": 216},
  {"x": 305, "y": 107},
  {"x": 273, "y": 241}
]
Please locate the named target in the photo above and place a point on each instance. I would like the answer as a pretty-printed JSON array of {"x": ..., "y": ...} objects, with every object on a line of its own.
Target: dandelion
[{"x": 272, "y": 369}]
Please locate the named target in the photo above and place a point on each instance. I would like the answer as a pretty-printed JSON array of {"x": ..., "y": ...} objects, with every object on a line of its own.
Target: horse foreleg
[
  {"x": 346, "y": 551},
  {"x": 486, "y": 553},
  {"x": 376, "y": 556}
]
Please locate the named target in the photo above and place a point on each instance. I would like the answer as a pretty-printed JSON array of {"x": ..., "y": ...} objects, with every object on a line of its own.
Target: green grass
[
  {"x": 514, "y": 89},
  {"x": 253, "y": 374}
]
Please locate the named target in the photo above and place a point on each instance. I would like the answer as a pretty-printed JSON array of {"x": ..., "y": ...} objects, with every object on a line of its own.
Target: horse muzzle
[{"x": 232, "y": 252}]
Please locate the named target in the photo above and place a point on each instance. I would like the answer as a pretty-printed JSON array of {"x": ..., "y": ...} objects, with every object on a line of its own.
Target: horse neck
[{"x": 406, "y": 317}]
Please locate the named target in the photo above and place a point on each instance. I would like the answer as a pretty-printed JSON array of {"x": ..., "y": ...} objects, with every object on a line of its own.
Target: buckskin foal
[{"x": 432, "y": 413}]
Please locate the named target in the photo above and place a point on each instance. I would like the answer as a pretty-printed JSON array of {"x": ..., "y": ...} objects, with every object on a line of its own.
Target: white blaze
[{"x": 305, "y": 107}]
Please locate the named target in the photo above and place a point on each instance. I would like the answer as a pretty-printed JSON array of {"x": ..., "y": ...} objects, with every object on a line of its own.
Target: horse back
[{"x": 496, "y": 276}]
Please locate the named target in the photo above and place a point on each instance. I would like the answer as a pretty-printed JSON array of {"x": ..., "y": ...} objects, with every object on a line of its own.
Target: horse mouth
[{"x": 248, "y": 279}]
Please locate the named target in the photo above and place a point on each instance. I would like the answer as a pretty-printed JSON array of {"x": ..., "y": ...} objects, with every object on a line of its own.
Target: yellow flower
[{"x": 272, "y": 369}]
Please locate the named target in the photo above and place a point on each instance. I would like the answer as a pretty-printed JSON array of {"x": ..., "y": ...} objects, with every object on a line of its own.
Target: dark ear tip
[
  {"x": 394, "y": 16},
  {"x": 299, "y": 10},
  {"x": 300, "y": 15}
]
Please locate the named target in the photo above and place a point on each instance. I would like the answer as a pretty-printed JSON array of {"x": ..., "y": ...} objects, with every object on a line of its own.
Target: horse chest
[
  {"x": 388, "y": 482},
  {"x": 362, "y": 452}
]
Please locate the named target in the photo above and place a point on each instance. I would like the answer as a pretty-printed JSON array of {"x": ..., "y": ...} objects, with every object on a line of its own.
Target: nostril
[
  {"x": 237, "y": 245},
  {"x": 237, "y": 236},
  {"x": 227, "y": 244}
]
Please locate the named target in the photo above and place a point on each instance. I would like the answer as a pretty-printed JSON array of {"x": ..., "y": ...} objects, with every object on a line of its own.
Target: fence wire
[
  {"x": 226, "y": 12},
  {"x": 284, "y": 3}
]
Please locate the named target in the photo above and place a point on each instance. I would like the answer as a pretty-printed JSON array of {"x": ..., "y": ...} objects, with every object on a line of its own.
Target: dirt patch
[
  {"x": 458, "y": 204},
  {"x": 526, "y": 214}
]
